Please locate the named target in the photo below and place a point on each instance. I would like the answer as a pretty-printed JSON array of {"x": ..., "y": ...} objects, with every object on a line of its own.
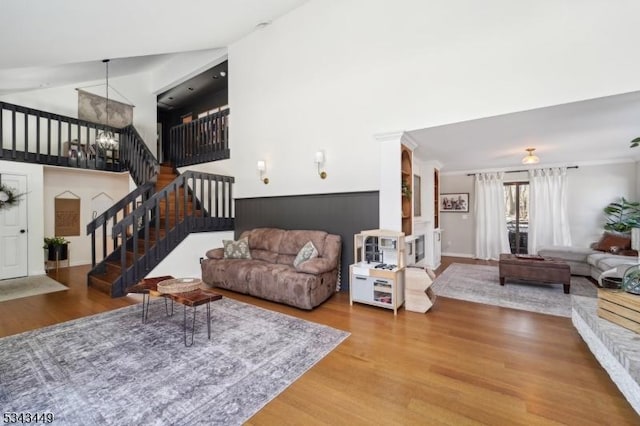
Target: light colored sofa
[
  {"x": 587, "y": 261},
  {"x": 270, "y": 273}
]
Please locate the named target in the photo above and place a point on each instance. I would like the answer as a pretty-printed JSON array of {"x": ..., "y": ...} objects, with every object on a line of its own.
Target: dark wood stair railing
[
  {"x": 157, "y": 226},
  {"x": 200, "y": 141},
  {"x": 136, "y": 156},
  {"x": 100, "y": 225}
]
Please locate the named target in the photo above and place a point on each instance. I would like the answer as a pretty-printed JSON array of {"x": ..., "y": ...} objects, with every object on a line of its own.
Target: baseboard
[{"x": 467, "y": 255}]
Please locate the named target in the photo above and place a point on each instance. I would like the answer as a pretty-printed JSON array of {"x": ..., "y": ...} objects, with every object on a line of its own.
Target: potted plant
[
  {"x": 622, "y": 216},
  {"x": 57, "y": 248},
  {"x": 406, "y": 189}
]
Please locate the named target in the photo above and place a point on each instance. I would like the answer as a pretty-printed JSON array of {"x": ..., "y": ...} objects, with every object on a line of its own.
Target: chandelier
[{"x": 106, "y": 139}]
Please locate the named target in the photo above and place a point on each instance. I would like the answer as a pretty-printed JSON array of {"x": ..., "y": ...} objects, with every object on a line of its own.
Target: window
[{"x": 516, "y": 202}]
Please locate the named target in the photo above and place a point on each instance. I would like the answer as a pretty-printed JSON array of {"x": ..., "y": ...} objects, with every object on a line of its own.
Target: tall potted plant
[
  {"x": 57, "y": 248},
  {"x": 622, "y": 216}
]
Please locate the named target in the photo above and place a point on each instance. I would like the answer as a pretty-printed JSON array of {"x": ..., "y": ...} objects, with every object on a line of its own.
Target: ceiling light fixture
[
  {"x": 106, "y": 139},
  {"x": 530, "y": 158},
  {"x": 223, "y": 73}
]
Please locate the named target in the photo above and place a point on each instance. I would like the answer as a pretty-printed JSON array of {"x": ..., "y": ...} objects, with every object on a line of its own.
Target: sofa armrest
[
  {"x": 217, "y": 253},
  {"x": 316, "y": 266}
]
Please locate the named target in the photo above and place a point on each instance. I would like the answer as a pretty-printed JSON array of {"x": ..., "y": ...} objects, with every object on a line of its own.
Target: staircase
[
  {"x": 160, "y": 222},
  {"x": 102, "y": 278},
  {"x": 138, "y": 231}
]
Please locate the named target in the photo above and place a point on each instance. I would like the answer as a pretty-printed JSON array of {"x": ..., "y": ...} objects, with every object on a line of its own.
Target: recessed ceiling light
[
  {"x": 170, "y": 98},
  {"x": 191, "y": 89},
  {"x": 263, "y": 24},
  {"x": 215, "y": 77},
  {"x": 223, "y": 73}
]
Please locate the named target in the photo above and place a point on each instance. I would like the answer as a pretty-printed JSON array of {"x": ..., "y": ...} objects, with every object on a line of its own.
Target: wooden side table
[
  {"x": 149, "y": 287},
  {"x": 194, "y": 299},
  {"x": 145, "y": 287}
]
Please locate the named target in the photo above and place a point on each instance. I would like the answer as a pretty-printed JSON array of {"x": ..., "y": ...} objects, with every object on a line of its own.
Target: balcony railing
[
  {"x": 200, "y": 141},
  {"x": 34, "y": 136}
]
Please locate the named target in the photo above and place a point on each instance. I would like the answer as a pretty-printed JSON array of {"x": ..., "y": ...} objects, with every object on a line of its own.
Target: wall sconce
[
  {"x": 320, "y": 162},
  {"x": 262, "y": 169}
]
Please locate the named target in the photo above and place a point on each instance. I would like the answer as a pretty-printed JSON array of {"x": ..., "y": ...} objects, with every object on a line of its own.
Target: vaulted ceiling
[{"x": 50, "y": 43}]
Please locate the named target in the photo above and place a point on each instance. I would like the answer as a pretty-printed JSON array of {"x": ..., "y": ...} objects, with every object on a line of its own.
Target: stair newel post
[
  {"x": 230, "y": 198},
  {"x": 145, "y": 224},
  {"x": 93, "y": 248},
  {"x": 104, "y": 240},
  {"x": 224, "y": 198},
  {"x": 156, "y": 220},
  {"x": 186, "y": 196},
  {"x": 210, "y": 198},
  {"x": 134, "y": 242},
  {"x": 123, "y": 251},
  {"x": 176, "y": 205}
]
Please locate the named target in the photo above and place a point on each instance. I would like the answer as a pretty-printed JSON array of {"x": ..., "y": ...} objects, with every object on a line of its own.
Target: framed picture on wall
[{"x": 457, "y": 202}]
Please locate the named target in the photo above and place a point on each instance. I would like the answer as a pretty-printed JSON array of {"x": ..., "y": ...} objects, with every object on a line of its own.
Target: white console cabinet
[{"x": 377, "y": 276}]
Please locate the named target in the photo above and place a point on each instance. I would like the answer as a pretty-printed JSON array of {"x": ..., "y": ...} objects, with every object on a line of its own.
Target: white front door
[{"x": 13, "y": 230}]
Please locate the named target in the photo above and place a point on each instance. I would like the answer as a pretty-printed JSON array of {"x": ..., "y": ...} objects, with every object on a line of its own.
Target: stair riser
[{"x": 100, "y": 285}]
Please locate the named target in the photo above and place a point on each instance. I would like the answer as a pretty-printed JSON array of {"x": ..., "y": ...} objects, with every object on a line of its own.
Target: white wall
[
  {"x": 184, "y": 260},
  {"x": 34, "y": 199},
  {"x": 86, "y": 185},
  {"x": 590, "y": 189},
  {"x": 457, "y": 228},
  {"x": 330, "y": 75}
]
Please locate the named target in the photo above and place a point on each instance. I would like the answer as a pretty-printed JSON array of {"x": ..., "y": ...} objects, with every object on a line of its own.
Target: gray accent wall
[{"x": 344, "y": 214}]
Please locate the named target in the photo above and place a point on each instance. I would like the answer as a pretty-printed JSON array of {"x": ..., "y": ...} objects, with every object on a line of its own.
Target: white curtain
[
  {"x": 548, "y": 214},
  {"x": 490, "y": 216}
]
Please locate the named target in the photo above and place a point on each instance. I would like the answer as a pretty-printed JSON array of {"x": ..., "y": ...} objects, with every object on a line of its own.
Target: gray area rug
[
  {"x": 16, "y": 288},
  {"x": 112, "y": 369},
  {"x": 481, "y": 284}
]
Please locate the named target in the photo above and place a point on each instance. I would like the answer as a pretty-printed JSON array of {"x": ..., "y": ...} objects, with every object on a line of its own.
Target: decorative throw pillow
[
  {"x": 621, "y": 242},
  {"x": 308, "y": 251},
  {"x": 236, "y": 249}
]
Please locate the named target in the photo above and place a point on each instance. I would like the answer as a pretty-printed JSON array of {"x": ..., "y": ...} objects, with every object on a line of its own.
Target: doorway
[
  {"x": 516, "y": 202},
  {"x": 13, "y": 231}
]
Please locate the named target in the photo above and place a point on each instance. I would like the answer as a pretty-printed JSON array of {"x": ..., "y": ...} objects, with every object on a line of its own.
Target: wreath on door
[{"x": 8, "y": 197}]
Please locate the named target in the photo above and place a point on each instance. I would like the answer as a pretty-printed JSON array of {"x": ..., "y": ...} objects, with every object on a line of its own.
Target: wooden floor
[{"x": 460, "y": 364}]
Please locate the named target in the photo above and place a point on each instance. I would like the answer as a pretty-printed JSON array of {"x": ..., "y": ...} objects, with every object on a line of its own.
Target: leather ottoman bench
[{"x": 534, "y": 268}]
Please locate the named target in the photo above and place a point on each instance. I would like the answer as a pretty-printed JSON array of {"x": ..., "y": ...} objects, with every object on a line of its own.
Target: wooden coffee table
[
  {"x": 536, "y": 269},
  {"x": 149, "y": 287}
]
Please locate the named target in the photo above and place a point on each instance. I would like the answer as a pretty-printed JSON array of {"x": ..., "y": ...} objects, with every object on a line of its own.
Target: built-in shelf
[{"x": 406, "y": 179}]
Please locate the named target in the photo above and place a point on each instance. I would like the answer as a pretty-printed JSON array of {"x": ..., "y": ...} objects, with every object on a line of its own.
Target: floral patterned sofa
[{"x": 298, "y": 267}]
